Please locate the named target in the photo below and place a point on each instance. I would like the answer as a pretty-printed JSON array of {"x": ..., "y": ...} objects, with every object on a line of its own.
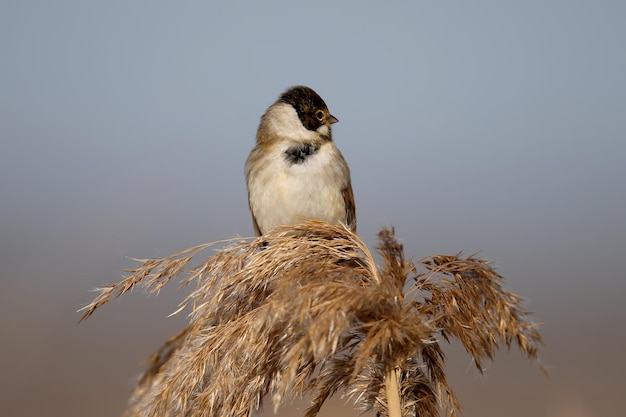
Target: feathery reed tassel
[{"x": 305, "y": 310}]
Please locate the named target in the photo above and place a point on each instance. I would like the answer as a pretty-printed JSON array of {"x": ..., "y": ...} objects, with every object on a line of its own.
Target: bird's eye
[{"x": 320, "y": 115}]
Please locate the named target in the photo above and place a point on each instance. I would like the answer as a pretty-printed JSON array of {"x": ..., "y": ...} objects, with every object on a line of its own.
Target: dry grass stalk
[{"x": 305, "y": 310}]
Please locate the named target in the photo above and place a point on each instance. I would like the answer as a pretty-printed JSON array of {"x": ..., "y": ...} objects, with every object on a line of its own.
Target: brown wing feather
[
  {"x": 348, "y": 201},
  {"x": 257, "y": 231}
]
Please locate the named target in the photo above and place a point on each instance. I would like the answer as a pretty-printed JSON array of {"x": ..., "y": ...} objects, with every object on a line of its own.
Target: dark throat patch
[{"x": 299, "y": 153}]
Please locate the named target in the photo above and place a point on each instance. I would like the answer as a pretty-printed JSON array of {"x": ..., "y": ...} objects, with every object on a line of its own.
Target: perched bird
[{"x": 295, "y": 170}]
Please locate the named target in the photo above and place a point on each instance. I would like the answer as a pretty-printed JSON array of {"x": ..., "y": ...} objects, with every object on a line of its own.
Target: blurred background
[{"x": 496, "y": 127}]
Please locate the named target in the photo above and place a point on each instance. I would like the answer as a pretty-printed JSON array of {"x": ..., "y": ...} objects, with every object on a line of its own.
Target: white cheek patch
[
  {"x": 284, "y": 122},
  {"x": 323, "y": 130}
]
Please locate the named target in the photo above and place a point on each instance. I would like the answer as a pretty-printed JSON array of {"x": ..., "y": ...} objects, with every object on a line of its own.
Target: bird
[{"x": 295, "y": 170}]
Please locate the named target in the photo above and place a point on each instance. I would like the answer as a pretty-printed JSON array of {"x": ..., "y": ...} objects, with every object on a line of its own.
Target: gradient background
[{"x": 488, "y": 126}]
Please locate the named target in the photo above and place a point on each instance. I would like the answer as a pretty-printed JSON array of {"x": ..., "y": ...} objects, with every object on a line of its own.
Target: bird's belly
[
  {"x": 318, "y": 198},
  {"x": 311, "y": 189}
]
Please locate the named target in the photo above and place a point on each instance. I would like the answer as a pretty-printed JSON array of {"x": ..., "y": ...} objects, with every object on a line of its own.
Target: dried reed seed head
[{"x": 305, "y": 309}]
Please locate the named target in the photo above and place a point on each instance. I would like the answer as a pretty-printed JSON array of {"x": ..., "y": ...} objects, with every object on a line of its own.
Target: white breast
[{"x": 281, "y": 192}]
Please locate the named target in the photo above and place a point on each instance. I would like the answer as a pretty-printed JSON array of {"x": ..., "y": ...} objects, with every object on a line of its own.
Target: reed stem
[{"x": 393, "y": 392}]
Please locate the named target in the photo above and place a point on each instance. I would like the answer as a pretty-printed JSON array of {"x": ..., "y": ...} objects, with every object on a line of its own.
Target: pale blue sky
[{"x": 492, "y": 126}]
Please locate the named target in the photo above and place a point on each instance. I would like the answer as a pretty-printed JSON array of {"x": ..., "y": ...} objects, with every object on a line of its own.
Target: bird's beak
[{"x": 332, "y": 119}]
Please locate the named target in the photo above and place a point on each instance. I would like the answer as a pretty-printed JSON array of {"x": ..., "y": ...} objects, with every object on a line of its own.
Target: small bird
[{"x": 295, "y": 170}]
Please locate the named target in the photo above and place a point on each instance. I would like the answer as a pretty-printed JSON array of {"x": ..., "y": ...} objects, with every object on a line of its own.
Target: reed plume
[{"x": 305, "y": 310}]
